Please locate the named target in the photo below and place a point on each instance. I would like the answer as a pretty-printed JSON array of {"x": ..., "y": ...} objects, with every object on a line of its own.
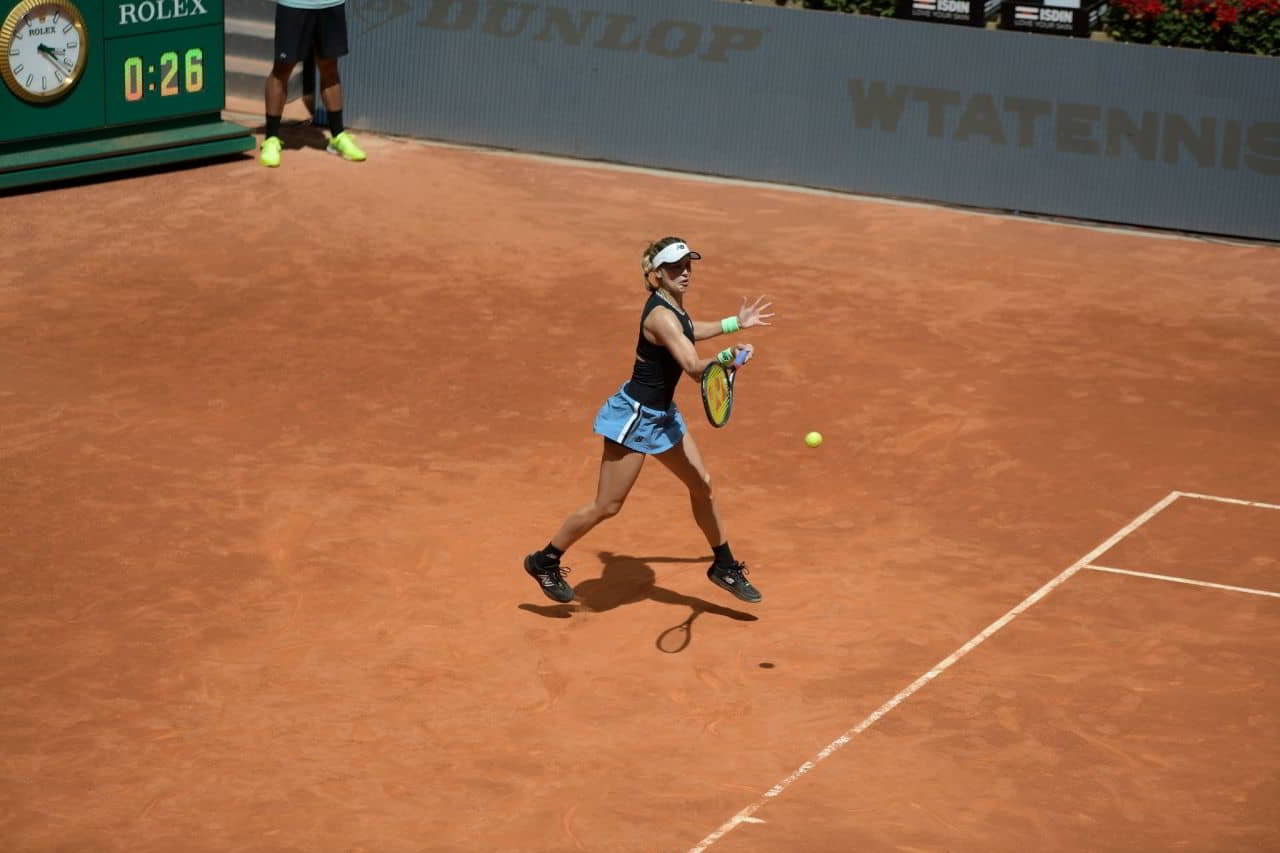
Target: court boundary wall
[{"x": 1134, "y": 134}]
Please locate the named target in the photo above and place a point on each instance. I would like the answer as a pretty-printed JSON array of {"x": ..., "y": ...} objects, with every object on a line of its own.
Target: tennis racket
[{"x": 717, "y": 389}]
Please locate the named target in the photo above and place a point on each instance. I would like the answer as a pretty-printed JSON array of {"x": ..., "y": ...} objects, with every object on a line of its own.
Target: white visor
[{"x": 673, "y": 253}]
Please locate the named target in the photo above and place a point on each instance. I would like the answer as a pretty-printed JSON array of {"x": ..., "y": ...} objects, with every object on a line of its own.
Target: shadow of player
[
  {"x": 302, "y": 134},
  {"x": 627, "y": 580},
  {"x": 296, "y": 134}
]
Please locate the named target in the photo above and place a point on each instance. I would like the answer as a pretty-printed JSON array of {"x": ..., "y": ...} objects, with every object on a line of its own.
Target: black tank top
[{"x": 656, "y": 372}]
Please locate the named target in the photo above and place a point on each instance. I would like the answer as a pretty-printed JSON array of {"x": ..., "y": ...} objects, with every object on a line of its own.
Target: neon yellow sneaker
[
  {"x": 270, "y": 152},
  {"x": 345, "y": 145}
]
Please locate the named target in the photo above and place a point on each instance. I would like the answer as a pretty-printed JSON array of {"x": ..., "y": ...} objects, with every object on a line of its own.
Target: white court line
[
  {"x": 744, "y": 816},
  {"x": 1226, "y": 500},
  {"x": 1247, "y": 589}
]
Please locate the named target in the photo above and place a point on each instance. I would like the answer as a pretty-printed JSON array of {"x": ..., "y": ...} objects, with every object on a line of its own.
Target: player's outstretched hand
[{"x": 753, "y": 314}]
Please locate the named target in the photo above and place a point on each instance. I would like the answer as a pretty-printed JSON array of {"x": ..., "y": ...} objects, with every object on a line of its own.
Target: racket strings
[{"x": 718, "y": 394}]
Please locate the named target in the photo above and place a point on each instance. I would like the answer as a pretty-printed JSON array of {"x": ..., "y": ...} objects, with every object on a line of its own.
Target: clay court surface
[{"x": 273, "y": 445}]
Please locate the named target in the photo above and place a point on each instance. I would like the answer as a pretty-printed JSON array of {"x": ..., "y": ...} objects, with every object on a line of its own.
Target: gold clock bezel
[{"x": 16, "y": 14}]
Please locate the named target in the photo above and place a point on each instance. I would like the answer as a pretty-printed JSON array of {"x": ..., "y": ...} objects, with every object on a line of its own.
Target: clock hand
[{"x": 48, "y": 54}]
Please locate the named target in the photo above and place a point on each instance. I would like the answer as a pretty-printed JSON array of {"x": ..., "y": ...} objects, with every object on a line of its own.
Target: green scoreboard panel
[{"x": 91, "y": 86}]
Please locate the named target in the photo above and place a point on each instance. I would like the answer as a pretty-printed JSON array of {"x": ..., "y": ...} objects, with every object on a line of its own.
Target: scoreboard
[{"x": 92, "y": 86}]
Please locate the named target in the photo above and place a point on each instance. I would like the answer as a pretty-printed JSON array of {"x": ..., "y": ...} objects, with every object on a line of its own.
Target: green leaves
[{"x": 1239, "y": 26}]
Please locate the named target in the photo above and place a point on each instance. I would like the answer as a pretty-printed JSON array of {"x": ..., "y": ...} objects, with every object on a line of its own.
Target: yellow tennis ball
[{"x": 813, "y": 439}]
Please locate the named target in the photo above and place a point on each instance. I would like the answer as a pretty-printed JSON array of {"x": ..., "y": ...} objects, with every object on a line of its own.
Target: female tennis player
[{"x": 642, "y": 420}]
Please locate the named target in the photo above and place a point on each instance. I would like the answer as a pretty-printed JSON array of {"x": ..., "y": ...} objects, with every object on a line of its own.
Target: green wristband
[
  {"x": 729, "y": 325},
  {"x": 725, "y": 356}
]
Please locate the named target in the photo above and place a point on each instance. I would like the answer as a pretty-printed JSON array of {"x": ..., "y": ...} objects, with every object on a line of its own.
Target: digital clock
[
  {"x": 42, "y": 49},
  {"x": 158, "y": 75},
  {"x": 176, "y": 75}
]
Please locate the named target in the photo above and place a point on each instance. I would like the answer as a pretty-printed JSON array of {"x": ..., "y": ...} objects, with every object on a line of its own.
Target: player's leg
[
  {"x": 331, "y": 44},
  {"x": 293, "y": 35},
  {"x": 686, "y": 463},
  {"x": 619, "y": 468}
]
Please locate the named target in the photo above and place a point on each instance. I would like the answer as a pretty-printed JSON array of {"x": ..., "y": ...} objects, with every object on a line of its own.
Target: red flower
[
  {"x": 1144, "y": 9},
  {"x": 1224, "y": 13}
]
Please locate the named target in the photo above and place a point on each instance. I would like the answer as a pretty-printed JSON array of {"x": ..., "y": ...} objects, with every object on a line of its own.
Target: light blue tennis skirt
[{"x": 638, "y": 427}]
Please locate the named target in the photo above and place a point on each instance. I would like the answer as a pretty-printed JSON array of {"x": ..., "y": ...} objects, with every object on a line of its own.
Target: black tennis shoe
[
  {"x": 733, "y": 578},
  {"x": 550, "y": 578}
]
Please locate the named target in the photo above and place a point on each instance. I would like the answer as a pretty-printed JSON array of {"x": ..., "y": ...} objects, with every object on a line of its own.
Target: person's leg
[
  {"x": 340, "y": 141},
  {"x": 277, "y": 93},
  {"x": 293, "y": 32},
  {"x": 277, "y": 90},
  {"x": 686, "y": 463},
  {"x": 330, "y": 88},
  {"x": 619, "y": 468},
  {"x": 331, "y": 43}
]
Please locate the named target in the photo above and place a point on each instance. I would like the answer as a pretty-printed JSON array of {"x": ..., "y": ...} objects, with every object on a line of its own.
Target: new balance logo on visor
[{"x": 674, "y": 252}]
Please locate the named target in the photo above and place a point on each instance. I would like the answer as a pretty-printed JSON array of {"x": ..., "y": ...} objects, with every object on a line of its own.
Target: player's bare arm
[
  {"x": 663, "y": 326},
  {"x": 747, "y": 316}
]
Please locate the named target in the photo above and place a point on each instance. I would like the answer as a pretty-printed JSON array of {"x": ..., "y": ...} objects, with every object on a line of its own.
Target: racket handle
[{"x": 743, "y": 356}]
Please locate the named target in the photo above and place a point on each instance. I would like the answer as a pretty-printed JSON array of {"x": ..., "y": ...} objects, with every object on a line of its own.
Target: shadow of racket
[{"x": 677, "y": 638}]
